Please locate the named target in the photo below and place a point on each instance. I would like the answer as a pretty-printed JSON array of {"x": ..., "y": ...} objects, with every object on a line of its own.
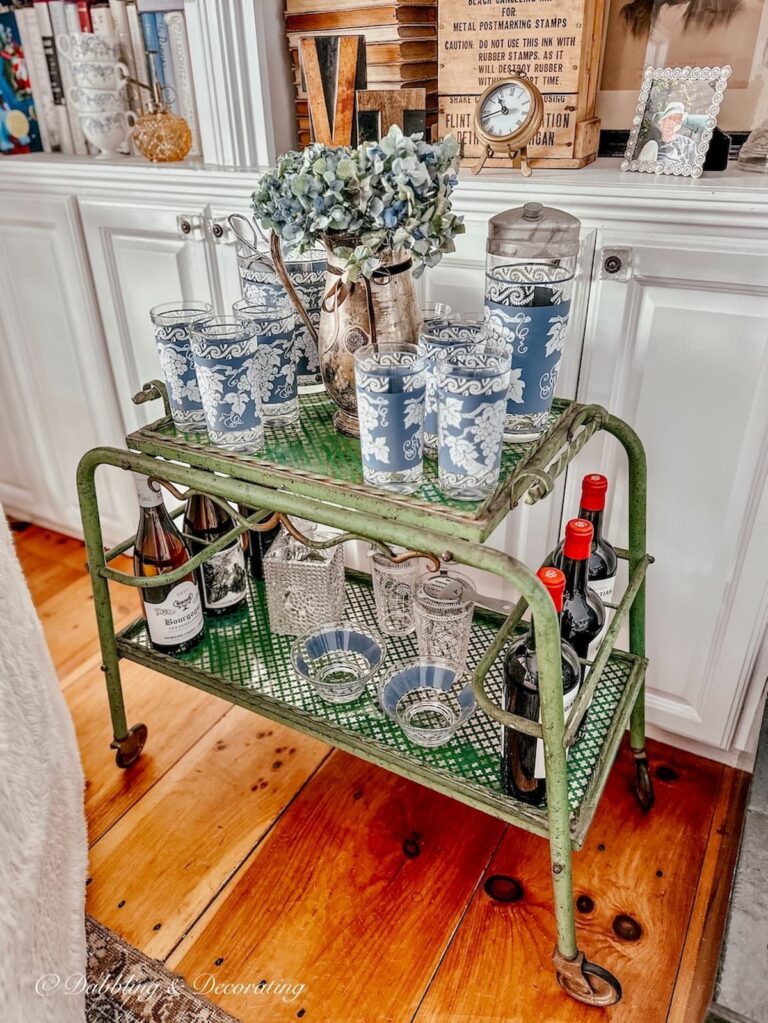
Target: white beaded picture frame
[{"x": 676, "y": 114}]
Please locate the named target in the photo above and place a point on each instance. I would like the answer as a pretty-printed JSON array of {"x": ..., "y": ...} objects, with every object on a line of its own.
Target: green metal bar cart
[{"x": 311, "y": 471}]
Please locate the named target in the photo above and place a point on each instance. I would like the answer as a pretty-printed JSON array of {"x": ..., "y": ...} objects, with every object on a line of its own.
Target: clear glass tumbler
[
  {"x": 393, "y": 592},
  {"x": 274, "y": 321},
  {"x": 227, "y": 364},
  {"x": 172, "y": 322},
  {"x": 472, "y": 389},
  {"x": 391, "y": 383},
  {"x": 443, "y": 605},
  {"x": 439, "y": 335}
]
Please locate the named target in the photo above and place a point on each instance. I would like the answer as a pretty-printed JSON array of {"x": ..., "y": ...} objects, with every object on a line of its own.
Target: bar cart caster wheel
[
  {"x": 129, "y": 749},
  {"x": 586, "y": 982},
  {"x": 643, "y": 783}
]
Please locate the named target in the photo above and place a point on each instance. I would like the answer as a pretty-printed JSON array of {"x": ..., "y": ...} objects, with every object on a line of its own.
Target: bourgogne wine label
[
  {"x": 178, "y": 618},
  {"x": 173, "y": 611}
]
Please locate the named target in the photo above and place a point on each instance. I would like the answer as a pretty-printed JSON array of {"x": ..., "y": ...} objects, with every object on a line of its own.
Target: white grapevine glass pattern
[
  {"x": 441, "y": 333},
  {"x": 527, "y": 306},
  {"x": 274, "y": 323},
  {"x": 472, "y": 389},
  {"x": 390, "y": 382},
  {"x": 229, "y": 374},
  {"x": 172, "y": 322}
]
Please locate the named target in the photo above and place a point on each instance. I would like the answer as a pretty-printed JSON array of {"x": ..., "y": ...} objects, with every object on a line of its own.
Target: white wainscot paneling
[
  {"x": 57, "y": 389},
  {"x": 680, "y": 351}
]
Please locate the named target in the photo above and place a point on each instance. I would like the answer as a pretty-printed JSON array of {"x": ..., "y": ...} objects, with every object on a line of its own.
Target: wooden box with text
[{"x": 556, "y": 43}]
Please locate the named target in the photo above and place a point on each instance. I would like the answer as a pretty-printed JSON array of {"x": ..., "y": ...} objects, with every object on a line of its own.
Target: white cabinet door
[
  {"x": 140, "y": 258},
  {"x": 57, "y": 397},
  {"x": 680, "y": 351}
]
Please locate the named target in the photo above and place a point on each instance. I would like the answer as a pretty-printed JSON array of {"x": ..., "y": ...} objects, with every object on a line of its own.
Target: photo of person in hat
[{"x": 672, "y": 144}]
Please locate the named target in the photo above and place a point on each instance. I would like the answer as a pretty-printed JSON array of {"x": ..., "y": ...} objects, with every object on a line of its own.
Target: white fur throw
[{"x": 43, "y": 846}]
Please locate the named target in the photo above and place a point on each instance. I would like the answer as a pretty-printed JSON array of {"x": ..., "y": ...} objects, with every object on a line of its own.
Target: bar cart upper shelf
[{"x": 313, "y": 472}]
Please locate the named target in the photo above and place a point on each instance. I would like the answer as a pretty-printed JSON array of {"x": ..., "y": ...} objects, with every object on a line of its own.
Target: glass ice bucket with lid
[{"x": 531, "y": 258}]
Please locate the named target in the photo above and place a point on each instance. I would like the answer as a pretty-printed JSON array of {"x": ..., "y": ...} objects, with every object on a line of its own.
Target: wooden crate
[{"x": 557, "y": 43}]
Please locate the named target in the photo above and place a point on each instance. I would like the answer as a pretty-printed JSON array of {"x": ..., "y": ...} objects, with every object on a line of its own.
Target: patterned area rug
[{"x": 125, "y": 986}]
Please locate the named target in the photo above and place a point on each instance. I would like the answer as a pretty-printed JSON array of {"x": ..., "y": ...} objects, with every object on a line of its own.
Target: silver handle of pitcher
[{"x": 282, "y": 273}]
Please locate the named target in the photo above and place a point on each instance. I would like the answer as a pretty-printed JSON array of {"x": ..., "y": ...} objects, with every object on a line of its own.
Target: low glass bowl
[
  {"x": 429, "y": 698},
  {"x": 338, "y": 659}
]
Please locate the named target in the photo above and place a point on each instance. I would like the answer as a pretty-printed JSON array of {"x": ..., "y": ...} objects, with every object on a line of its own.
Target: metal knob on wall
[
  {"x": 615, "y": 264},
  {"x": 220, "y": 231},
  {"x": 190, "y": 225}
]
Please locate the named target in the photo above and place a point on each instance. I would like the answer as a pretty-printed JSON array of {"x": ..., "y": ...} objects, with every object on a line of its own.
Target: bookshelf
[{"x": 239, "y": 66}]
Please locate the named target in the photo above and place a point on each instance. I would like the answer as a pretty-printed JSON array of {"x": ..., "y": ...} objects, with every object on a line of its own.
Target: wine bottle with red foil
[
  {"x": 223, "y": 583},
  {"x": 583, "y": 615},
  {"x": 602, "y": 559},
  {"x": 174, "y": 613},
  {"x": 522, "y": 756}
]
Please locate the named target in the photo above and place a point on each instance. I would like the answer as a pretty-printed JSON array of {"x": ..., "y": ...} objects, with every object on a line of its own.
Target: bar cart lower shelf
[{"x": 241, "y": 661}]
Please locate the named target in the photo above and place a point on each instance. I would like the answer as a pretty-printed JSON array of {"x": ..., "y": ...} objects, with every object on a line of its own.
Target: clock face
[{"x": 505, "y": 109}]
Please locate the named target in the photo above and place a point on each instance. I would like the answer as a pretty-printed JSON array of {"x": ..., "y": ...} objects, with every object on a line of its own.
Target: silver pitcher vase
[{"x": 380, "y": 310}]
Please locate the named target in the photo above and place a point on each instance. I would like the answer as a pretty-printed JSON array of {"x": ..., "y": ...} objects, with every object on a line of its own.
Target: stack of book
[
  {"x": 154, "y": 47},
  {"x": 400, "y": 44}
]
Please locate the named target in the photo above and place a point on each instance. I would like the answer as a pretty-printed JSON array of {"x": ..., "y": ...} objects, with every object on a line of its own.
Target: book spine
[
  {"x": 166, "y": 64},
  {"x": 103, "y": 22},
  {"x": 45, "y": 25},
  {"x": 139, "y": 55},
  {"x": 159, "y": 6},
  {"x": 35, "y": 80},
  {"x": 84, "y": 16},
  {"x": 120, "y": 18},
  {"x": 182, "y": 69},
  {"x": 71, "y": 16},
  {"x": 58, "y": 13},
  {"x": 152, "y": 48}
]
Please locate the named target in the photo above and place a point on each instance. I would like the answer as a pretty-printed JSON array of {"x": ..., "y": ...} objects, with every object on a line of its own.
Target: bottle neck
[
  {"x": 596, "y": 518},
  {"x": 576, "y": 574},
  {"x": 532, "y": 636}
]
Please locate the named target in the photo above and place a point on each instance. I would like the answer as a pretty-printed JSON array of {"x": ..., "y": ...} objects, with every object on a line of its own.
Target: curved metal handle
[
  {"x": 282, "y": 273},
  {"x": 248, "y": 234}
]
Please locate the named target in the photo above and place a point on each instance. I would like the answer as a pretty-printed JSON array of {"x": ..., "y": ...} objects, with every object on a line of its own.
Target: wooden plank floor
[{"x": 242, "y": 853}]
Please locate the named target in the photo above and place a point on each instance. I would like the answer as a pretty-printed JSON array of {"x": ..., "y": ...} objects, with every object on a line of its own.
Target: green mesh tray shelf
[
  {"x": 241, "y": 661},
  {"x": 312, "y": 458}
]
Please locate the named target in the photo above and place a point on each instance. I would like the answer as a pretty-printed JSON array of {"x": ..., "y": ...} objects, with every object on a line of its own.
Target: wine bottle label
[
  {"x": 149, "y": 494},
  {"x": 568, "y": 701},
  {"x": 178, "y": 619},
  {"x": 603, "y": 587},
  {"x": 224, "y": 579}
]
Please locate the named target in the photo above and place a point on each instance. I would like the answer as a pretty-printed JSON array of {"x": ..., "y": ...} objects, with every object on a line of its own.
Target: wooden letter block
[
  {"x": 379, "y": 109},
  {"x": 334, "y": 69}
]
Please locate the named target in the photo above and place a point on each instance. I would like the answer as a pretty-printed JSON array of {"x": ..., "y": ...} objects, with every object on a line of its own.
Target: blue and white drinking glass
[
  {"x": 440, "y": 334},
  {"x": 391, "y": 384},
  {"x": 228, "y": 367},
  {"x": 172, "y": 322},
  {"x": 259, "y": 280},
  {"x": 273, "y": 321},
  {"x": 472, "y": 389}
]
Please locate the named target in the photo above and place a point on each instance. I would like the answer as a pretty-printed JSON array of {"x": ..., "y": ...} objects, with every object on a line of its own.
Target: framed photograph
[{"x": 676, "y": 112}]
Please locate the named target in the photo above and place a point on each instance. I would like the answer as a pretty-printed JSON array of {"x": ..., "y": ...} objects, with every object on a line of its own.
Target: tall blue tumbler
[{"x": 532, "y": 252}]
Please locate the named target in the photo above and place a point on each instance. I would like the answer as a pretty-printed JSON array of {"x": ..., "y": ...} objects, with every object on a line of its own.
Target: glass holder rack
[{"x": 312, "y": 472}]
